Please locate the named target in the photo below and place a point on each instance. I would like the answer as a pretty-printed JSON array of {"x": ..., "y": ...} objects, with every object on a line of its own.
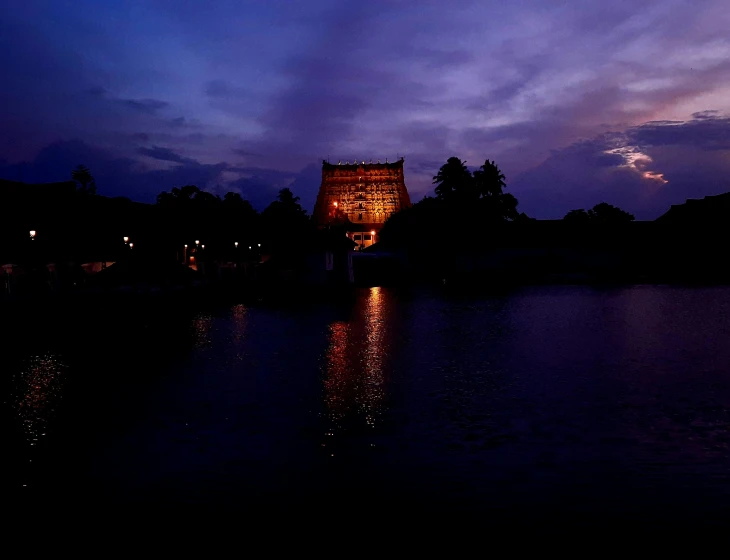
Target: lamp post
[
  {"x": 32, "y": 234},
  {"x": 372, "y": 237},
  {"x": 131, "y": 245},
  {"x": 126, "y": 239},
  {"x": 235, "y": 244},
  {"x": 185, "y": 254}
]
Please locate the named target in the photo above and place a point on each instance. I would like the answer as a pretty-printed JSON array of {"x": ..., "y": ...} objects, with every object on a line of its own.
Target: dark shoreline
[{"x": 215, "y": 294}]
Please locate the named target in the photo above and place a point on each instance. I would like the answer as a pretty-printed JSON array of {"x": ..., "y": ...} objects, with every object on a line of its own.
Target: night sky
[{"x": 578, "y": 102}]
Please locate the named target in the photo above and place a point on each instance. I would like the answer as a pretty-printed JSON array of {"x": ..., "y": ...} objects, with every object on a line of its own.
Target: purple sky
[{"x": 578, "y": 102}]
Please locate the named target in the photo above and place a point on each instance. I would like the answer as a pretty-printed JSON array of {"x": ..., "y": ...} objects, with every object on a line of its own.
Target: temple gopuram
[{"x": 362, "y": 196}]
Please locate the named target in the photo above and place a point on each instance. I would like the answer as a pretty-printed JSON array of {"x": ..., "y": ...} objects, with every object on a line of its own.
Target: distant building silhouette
[
  {"x": 362, "y": 196},
  {"x": 708, "y": 211}
]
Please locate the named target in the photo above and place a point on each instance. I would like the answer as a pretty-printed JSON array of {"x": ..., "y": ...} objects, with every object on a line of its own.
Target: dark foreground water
[{"x": 547, "y": 405}]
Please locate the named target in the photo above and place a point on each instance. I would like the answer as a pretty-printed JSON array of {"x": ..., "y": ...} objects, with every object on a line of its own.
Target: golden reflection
[
  {"x": 240, "y": 320},
  {"x": 354, "y": 379},
  {"x": 373, "y": 352},
  {"x": 337, "y": 379},
  {"x": 37, "y": 392},
  {"x": 201, "y": 330}
]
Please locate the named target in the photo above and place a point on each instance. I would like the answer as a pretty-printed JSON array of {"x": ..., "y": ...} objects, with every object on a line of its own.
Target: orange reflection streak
[
  {"x": 337, "y": 378},
  {"x": 372, "y": 358},
  {"x": 354, "y": 380},
  {"x": 38, "y": 389}
]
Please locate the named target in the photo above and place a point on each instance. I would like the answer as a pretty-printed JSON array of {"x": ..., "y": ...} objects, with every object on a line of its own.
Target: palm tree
[
  {"x": 453, "y": 180},
  {"x": 85, "y": 179},
  {"x": 490, "y": 181}
]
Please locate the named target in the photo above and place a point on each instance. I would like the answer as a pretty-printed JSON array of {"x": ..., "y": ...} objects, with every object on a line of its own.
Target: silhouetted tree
[
  {"x": 453, "y": 180},
  {"x": 506, "y": 207},
  {"x": 235, "y": 200},
  {"x": 285, "y": 223},
  {"x": 84, "y": 179},
  {"x": 602, "y": 213},
  {"x": 608, "y": 214},
  {"x": 489, "y": 180},
  {"x": 577, "y": 216},
  {"x": 240, "y": 218},
  {"x": 207, "y": 201},
  {"x": 286, "y": 205},
  {"x": 496, "y": 205},
  {"x": 463, "y": 206},
  {"x": 178, "y": 196}
]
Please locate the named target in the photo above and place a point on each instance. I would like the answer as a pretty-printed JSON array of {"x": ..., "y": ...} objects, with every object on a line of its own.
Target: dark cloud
[
  {"x": 165, "y": 154},
  {"x": 148, "y": 106},
  {"x": 144, "y": 105},
  {"x": 244, "y": 153},
  {"x": 708, "y": 131},
  {"x": 709, "y": 114}
]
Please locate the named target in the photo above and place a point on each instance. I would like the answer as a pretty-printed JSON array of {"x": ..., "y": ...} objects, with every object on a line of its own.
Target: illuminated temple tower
[{"x": 366, "y": 194}]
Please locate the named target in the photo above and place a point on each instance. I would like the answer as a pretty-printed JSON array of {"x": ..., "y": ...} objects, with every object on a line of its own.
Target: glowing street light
[
  {"x": 249, "y": 247},
  {"x": 126, "y": 239},
  {"x": 202, "y": 246},
  {"x": 259, "y": 244},
  {"x": 372, "y": 232},
  {"x": 197, "y": 242},
  {"x": 32, "y": 234},
  {"x": 235, "y": 243},
  {"x": 131, "y": 245},
  {"x": 335, "y": 205},
  {"x": 186, "y": 245}
]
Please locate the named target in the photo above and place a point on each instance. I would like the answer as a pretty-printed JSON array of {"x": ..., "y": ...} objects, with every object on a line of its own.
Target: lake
[{"x": 549, "y": 404}]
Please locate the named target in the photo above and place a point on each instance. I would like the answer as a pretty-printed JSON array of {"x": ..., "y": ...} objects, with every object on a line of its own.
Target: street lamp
[
  {"x": 259, "y": 244},
  {"x": 131, "y": 245},
  {"x": 235, "y": 243},
  {"x": 249, "y": 247},
  {"x": 335, "y": 205},
  {"x": 32, "y": 234},
  {"x": 197, "y": 242},
  {"x": 126, "y": 239},
  {"x": 202, "y": 246}
]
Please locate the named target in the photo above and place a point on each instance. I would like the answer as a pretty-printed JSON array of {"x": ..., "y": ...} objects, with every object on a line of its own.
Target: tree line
[{"x": 464, "y": 207}]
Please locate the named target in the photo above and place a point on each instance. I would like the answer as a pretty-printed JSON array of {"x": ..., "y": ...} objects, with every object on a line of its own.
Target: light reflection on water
[
  {"x": 552, "y": 400},
  {"x": 354, "y": 380},
  {"x": 372, "y": 358},
  {"x": 240, "y": 316},
  {"x": 201, "y": 326},
  {"x": 37, "y": 391}
]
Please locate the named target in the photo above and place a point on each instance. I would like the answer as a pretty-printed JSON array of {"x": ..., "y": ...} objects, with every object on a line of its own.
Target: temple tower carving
[{"x": 366, "y": 194}]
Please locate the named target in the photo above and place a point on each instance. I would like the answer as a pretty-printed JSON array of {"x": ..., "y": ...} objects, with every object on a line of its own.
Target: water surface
[{"x": 570, "y": 403}]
